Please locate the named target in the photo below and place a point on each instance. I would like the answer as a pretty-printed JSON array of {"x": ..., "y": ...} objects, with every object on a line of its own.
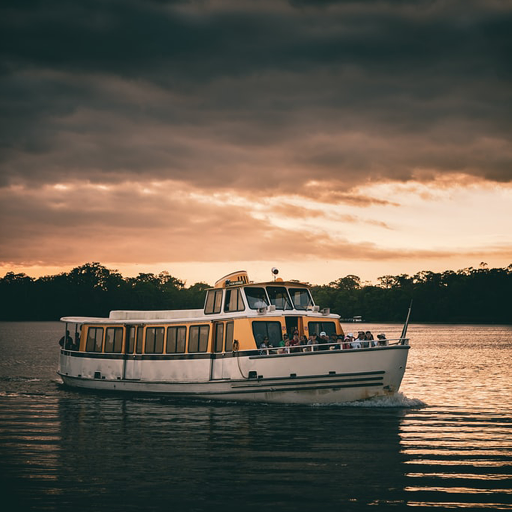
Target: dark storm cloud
[{"x": 255, "y": 95}]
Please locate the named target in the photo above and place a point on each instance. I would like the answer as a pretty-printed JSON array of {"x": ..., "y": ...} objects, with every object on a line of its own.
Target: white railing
[{"x": 322, "y": 347}]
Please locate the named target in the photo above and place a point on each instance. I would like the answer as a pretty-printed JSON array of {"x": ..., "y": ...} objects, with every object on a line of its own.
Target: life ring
[{"x": 236, "y": 346}]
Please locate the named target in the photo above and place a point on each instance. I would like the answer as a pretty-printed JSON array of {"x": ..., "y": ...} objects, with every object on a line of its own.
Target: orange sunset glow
[{"x": 201, "y": 137}]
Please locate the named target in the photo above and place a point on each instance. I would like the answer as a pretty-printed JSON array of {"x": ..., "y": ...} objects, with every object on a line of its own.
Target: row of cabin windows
[
  {"x": 278, "y": 296},
  {"x": 156, "y": 340},
  {"x": 176, "y": 339}
]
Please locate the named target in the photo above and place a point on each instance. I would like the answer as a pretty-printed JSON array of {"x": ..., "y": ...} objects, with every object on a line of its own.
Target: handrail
[{"x": 325, "y": 347}]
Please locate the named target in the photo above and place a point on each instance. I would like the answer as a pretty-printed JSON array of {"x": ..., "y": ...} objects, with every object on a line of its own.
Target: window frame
[
  {"x": 249, "y": 297},
  {"x": 228, "y": 336},
  {"x": 139, "y": 345},
  {"x": 218, "y": 342},
  {"x": 157, "y": 333},
  {"x": 228, "y": 300},
  {"x": 322, "y": 327},
  {"x": 299, "y": 306},
  {"x": 271, "y": 335},
  {"x": 117, "y": 342},
  {"x": 180, "y": 331},
  {"x": 203, "y": 334},
  {"x": 132, "y": 335},
  {"x": 288, "y": 303},
  {"x": 213, "y": 303},
  {"x": 94, "y": 347}
]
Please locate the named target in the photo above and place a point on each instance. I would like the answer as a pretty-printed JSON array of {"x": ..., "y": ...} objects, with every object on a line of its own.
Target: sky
[{"x": 325, "y": 138}]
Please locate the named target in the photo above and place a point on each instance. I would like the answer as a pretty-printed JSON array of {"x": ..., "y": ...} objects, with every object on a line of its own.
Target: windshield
[
  {"x": 301, "y": 298},
  {"x": 256, "y": 297},
  {"x": 279, "y": 297}
]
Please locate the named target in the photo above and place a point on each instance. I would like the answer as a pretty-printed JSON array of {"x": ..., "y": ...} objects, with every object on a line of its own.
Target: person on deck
[
  {"x": 312, "y": 341},
  {"x": 264, "y": 347},
  {"x": 323, "y": 341},
  {"x": 76, "y": 344},
  {"x": 382, "y": 340},
  {"x": 66, "y": 341},
  {"x": 295, "y": 342}
]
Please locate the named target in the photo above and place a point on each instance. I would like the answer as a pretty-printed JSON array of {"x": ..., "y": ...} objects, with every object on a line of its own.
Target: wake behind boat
[{"x": 244, "y": 345}]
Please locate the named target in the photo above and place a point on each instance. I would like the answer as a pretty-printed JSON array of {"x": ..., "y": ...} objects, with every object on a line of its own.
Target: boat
[{"x": 232, "y": 349}]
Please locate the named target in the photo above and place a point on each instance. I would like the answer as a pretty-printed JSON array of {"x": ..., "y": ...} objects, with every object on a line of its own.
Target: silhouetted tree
[{"x": 468, "y": 295}]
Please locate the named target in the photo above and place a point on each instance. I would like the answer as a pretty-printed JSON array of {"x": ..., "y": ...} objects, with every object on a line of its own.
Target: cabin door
[
  {"x": 133, "y": 346},
  {"x": 292, "y": 323},
  {"x": 218, "y": 355}
]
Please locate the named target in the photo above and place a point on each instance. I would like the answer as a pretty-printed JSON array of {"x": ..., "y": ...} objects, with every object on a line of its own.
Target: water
[{"x": 444, "y": 442}]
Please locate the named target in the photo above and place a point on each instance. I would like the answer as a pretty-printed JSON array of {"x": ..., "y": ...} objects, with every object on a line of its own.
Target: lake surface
[{"x": 444, "y": 442}]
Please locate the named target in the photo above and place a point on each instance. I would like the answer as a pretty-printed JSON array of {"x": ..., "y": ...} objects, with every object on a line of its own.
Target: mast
[{"x": 404, "y": 330}]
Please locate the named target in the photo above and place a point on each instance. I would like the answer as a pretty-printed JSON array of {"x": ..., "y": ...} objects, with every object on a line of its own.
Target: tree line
[{"x": 470, "y": 295}]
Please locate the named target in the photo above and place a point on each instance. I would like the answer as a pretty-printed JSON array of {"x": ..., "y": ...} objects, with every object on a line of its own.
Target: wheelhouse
[{"x": 234, "y": 293}]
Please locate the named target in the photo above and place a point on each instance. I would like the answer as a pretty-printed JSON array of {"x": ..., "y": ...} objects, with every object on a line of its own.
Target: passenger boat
[{"x": 217, "y": 353}]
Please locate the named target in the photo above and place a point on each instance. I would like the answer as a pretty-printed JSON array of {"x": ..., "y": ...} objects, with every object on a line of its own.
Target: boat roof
[
  {"x": 241, "y": 278},
  {"x": 280, "y": 282},
  {"x": 138, "y": 319},
  {"x": 139, "y": 316}
]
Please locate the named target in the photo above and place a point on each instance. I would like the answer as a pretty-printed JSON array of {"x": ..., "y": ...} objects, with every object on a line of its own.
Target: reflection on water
[
  {"x": 104, "y": 454},
  {"x": 458, "y": 459},
  {"x": 443, "y": 443}
]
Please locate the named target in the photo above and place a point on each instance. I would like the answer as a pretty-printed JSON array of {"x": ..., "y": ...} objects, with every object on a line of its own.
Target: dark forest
[{"x": 470, "y": 295}]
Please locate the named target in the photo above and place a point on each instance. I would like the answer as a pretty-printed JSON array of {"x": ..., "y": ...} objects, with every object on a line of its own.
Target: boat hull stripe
[
  {"x": 267, "y": 388},
  {"x": 287, "y": 383}
]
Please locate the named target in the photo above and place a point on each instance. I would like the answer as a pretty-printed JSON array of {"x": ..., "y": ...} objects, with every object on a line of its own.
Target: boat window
[
  {"x": 154, "y": 340},
  {"x": 228, "y": 346},
  {"x": 131, "y": 339},
  {"x": 233, "y": 301},
  {"x": 219, "y": 337},
  {"x": 94, "y": 339},
  {"x": 318, "y": 327},
  {"x": 176, "y": 337},
  {"x": 114, "y": 339},
  {"x": 140, "y": 338},
  {"x": 198, "y": 338},
  {"x": 270, "y": 329},
  {"x": 301, "y": 298},
  {"x": 279, "y": 297},
  {"x": 213, "y": 302},
  {"x": 256, "y": 297}
]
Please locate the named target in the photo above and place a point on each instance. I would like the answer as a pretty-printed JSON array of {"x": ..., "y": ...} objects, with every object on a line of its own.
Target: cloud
[
  {"x": 234, "y": 130},
  {"x": 65, "y": 225},
  {"x": 160, "y": 222},
  {"x": 257, "y": 97}
]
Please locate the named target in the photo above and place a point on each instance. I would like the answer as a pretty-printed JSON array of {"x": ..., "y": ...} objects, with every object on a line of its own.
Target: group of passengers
[
  {"x": 323, "y": 341},
  {"x": 364, "y": 340},
  {"x": 68, "y": 343}
]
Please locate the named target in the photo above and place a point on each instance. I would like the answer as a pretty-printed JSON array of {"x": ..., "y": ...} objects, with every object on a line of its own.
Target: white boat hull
[{"x": 332, "y": 376}]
